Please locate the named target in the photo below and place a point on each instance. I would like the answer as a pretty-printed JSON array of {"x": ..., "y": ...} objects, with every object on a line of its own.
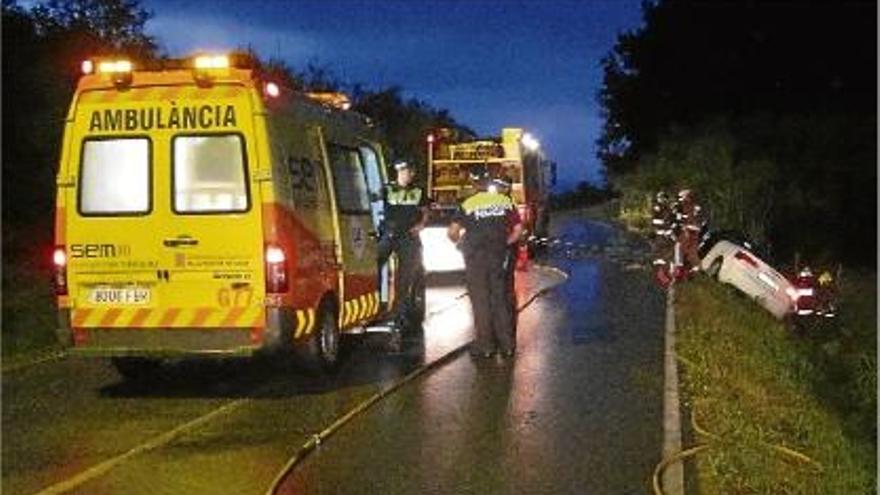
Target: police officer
[
  {"x": 501, "y": 185},
  {"x": 405, "y": 216},
  {"x": 484, "y": 228}
]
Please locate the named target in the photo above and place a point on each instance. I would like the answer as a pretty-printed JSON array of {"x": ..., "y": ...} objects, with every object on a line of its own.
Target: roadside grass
[
  {"x": 28, "y": 326},
  {"x": 756, "y": 389}
]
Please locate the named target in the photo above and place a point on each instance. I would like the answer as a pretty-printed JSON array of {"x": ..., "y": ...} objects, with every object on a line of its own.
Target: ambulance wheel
[
  {"x": 320, "y": 353},
  {"x": 415, "y": 316},
  {"x": 136, "y": 368}
]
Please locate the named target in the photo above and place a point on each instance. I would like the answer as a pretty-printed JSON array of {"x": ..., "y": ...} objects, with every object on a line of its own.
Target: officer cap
[
  {"x": 478, "y": 173},
  {"x": 402, "y": 165}
]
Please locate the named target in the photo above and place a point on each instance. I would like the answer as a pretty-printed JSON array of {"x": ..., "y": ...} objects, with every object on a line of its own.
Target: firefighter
[
  {"x": 661, "y": 220},
  {"x": 825, "y": 295},
  {"x": 805, "y": 284},
  {"x": 689, "y": 217},
  {"x": 405, "y": 216},
  {"x": 485, "y": 227}
]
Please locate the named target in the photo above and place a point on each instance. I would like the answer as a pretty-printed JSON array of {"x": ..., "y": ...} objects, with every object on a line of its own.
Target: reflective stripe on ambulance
[
  {"x": 359, "y": 309},
  {"x": 203, "y": 317}
]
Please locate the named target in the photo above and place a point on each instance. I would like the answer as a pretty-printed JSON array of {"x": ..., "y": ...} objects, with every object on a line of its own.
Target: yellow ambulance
[{"x": 203, "y": 209}]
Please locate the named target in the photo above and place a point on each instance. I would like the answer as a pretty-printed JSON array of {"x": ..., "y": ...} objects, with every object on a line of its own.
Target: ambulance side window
[
  {"x": 115, "y": 177},
  {"x": 349, "y": 181},
  {"x": 209, "y": 174},
  {"x": 370, "y": 160}
]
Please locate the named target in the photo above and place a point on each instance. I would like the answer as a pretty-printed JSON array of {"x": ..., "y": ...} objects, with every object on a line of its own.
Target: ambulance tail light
[
  {"x": 276, "y": 270},
  {"x": 59, "y": 261}
]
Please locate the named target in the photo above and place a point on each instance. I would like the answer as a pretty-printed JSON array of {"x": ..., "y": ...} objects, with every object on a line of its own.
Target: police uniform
[
  {"x": 488, "y": 218},
  {"x": 502, "y": 186},
  {"x": 404, "y": 209}
]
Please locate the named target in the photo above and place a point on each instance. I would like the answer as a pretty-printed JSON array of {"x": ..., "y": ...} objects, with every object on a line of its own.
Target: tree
[
  {"x": 693, "y": 61},
  {"x": 796, "y": 84},
  {"x": 39, "y": 75},
  {"x": 404, "y": 124}
]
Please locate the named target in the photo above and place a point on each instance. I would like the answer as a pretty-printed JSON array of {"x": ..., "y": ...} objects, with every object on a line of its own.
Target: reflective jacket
[
  {"x": 488, "y": 219},
  {"x": 403, "y": 207}
]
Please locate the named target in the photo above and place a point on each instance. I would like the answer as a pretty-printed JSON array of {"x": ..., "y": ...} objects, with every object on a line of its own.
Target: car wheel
[
  {"x": 136, "y": 368},
  {"x": 715, "y": 268}
]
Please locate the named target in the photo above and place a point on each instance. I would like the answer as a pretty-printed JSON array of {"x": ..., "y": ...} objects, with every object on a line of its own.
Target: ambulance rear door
[{"x": 212, "y": 235}]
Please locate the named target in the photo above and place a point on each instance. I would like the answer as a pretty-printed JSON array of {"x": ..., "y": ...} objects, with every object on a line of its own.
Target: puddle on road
[{"x": 591, "y": 253}]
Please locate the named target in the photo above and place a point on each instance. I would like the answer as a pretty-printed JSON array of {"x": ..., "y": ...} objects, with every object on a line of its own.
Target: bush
[{"x": 731, "y": 188}]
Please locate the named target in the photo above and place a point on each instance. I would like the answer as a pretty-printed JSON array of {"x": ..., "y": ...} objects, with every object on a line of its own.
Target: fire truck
[{"x": 515, "y": 155}]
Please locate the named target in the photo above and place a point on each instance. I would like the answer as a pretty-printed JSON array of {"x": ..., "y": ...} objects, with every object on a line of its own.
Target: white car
[{"x": 730, "y": 259}]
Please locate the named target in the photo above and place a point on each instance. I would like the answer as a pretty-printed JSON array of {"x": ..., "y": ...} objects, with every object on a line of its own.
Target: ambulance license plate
[{"x": 127, "y": 295}]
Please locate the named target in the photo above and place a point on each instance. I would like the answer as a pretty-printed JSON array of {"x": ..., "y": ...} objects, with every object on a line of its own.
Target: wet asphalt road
[{"x": 577, "y": 411}]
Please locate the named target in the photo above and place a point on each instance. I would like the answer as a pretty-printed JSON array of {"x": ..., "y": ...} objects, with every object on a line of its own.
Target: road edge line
[
  {"x": 31, "y": 361},
  {"x": 673, "y": 478}
]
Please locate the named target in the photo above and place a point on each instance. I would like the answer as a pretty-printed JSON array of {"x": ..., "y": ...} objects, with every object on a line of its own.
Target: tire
[
  {"x": 321, "y": 352},
  {"x": 136, "y": 368},
  {"x": 715, "y": 268},
  {"x": 416, "y": 314}
]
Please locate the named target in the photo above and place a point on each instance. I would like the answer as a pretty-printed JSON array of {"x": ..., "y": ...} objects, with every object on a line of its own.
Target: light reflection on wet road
[{"x": 578, "y": 410}]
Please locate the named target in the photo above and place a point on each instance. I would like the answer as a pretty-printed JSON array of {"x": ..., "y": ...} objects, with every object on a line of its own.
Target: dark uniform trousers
[
  {"x": 488, "y": 284},
  {"x": 409, "y": 264},
  {"x": 403, "y": 205}
]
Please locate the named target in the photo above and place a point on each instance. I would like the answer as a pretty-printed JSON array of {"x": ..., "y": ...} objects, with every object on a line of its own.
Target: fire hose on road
[
  {"x": 318, "y": 438},
  {"x": 675, "y": 453}
]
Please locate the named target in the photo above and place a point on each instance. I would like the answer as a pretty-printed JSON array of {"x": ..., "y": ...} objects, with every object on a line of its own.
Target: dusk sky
[{"x": 491, "y": 63}]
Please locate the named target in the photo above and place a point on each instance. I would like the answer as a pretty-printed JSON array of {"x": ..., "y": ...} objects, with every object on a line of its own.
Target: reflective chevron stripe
[
  {"x": 365, "y": 308},
  {"x": 305, "y": 322},
  {"x": 200, "y": 317}
]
